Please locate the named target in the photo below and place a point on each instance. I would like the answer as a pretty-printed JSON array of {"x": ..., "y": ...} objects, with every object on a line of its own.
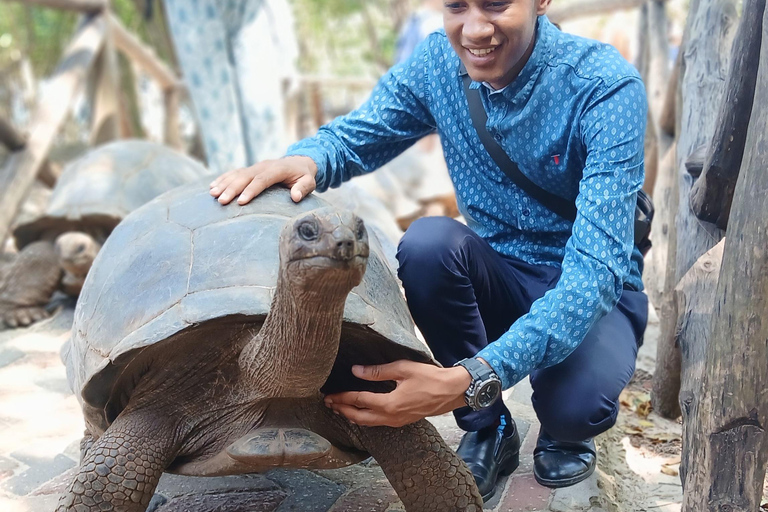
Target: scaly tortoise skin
[
  {"x": 92, "y": 195},
  {"x": 205, "y": 337}
]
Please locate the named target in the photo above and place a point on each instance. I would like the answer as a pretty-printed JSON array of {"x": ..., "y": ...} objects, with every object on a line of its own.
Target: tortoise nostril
[{"x": 345, "y": 249}]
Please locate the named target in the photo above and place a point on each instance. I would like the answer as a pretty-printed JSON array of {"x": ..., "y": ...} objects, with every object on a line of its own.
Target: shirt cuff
[{"x": 302, "y": 148}]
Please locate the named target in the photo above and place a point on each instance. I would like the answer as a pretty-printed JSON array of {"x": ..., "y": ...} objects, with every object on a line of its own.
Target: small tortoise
[
  {"x": 205, "y": 337},
  {"x": 91, "y": 197}
]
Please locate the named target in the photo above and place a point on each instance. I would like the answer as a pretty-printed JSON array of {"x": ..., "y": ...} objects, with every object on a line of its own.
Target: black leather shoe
[
  {"x": 559, "y": 464},
  {"x": 490, "y": 453}
]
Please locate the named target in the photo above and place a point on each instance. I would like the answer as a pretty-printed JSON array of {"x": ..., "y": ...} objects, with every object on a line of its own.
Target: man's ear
[{"x": 542, "y": 6}]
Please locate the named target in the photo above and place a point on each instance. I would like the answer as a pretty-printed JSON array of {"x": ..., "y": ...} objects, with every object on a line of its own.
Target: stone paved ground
[{"x": 40, "y": 427}]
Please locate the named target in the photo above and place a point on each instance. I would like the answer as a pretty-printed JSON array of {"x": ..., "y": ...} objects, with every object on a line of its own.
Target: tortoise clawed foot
[{"x": 24, "y": 316}]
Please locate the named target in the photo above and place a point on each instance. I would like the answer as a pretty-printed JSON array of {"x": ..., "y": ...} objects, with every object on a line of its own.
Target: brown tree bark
[
  {"x": 729, "y": 447},
  {"x": 695, "y": 299},
  {"x": 712, "y": 193},
  {"x": 706, "y": 49}
]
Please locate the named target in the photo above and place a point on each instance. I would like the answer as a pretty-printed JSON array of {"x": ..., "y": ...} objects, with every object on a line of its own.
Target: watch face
[{"x": 488, "y": 393}]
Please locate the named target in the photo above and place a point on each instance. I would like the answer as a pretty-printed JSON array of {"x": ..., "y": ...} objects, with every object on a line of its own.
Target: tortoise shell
[
  {"x": 182, "y": 261},
  {"x": 99, "y": 189}
]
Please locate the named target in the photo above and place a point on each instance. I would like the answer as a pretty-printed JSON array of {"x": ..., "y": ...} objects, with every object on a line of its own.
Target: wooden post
[
  {"x": 560, "y": 13},
  {"x": 106, "y": 122},
  {"x": 20, "y": 169},
  {"x": 729, "y": 447},
  {"x": 709, "y": 30},
  {"x": 141, "y": 54},
  {"x": 9, "y": 137},
  {"x": 695, "y": 298},
  {"x": 171, "y": 136},
  {"x": 91, "y": 6},
  {"x": 712, "y": 194},
  {"x": 669, "y": 111}
]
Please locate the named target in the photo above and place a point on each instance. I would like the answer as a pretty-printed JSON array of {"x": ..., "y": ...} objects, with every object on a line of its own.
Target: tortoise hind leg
[
  {"x": 426, "y": 474},
  {"x": 27, "y": 284},
  {"x": 121, "y": 469}
]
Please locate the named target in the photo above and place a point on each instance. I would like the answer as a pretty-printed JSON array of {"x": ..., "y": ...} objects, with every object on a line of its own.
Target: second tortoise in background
[{"x": 93, "y": 194}]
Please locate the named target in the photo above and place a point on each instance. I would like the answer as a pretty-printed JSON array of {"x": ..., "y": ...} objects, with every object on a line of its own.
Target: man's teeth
[{"x": 481, "y": 52}]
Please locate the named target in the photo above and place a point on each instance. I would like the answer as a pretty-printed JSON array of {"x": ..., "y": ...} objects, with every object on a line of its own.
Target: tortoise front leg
[
  {"x": 85, "y": 445},
  {"x": 27, "y": 284},
  {"x": 121, "y": 469},
  {"x": 426, "y": 474}
]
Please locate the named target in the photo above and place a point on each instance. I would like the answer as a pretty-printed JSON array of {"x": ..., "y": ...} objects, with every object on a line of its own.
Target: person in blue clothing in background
[{"x": 518, "y": 291}]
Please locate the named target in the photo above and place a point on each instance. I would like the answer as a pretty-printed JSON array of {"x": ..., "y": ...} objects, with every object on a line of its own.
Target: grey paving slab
[
  {"x": 172, "y": 486},
  {"x": 40, "y": 471},
  {"x": 55, "y": 384},
  {"x": 309, "y": 492},
  {"x": 7, "y": 467},
  {"x": 264, "y": 501},
  {"x": 9, "y": 355}
]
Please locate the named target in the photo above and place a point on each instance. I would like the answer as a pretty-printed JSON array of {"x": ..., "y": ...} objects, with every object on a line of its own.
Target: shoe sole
[
  {"x": 513, "y": 461},
  {"x": 558, "y": 484}
]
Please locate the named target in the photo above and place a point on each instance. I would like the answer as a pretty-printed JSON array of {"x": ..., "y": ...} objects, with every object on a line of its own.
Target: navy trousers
[{"x": 463, "y": 295}]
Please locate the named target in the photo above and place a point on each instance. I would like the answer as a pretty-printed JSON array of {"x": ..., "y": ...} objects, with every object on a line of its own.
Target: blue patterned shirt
[{"x": 573, "y": 120}]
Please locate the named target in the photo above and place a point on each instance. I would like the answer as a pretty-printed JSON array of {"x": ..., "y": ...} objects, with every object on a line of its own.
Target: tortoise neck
[{"x": 293, "y": 353}]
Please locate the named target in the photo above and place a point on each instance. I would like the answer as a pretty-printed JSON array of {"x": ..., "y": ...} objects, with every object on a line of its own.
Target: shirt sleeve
[
  {"x": 597, "y": 255},
  {"x": 393, "y": 118}
]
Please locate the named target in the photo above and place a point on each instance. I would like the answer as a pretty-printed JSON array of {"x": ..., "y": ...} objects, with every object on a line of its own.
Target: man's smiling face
[{"x": 493, "y": 39}]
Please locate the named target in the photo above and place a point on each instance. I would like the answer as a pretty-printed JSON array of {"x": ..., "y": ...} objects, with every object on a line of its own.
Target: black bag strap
[{"x": 555, "y": 203}]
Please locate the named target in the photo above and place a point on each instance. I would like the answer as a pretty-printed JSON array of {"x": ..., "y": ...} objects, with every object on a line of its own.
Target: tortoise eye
[
  {"x": 308, "y": 230},
  {"x": 360, "y": 230}
]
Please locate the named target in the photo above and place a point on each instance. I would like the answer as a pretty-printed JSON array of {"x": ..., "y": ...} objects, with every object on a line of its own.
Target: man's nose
[{"x": 477, "y": 26}]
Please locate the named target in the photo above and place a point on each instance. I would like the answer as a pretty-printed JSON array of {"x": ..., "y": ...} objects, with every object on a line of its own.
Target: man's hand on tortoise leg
[{"x": 422, "y": 390}]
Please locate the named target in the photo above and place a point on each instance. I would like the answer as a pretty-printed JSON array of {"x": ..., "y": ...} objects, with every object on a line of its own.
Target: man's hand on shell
[
  {"x": 422, "y": 390},
  {"x": 295, "y": 172}
]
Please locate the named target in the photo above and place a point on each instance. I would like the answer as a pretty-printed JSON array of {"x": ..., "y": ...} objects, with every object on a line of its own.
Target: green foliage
[
  {"x": 348, "y": 37},
  {"x": 41, "y": 34}
]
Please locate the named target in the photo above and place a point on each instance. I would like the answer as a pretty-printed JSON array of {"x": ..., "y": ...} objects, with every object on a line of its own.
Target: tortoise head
[{"x": 324, "y": 249}]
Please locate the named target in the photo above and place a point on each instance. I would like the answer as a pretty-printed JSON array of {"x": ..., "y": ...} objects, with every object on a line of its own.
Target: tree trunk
[
  {"x": 665, "y": 204},
  {"x": 706, "y": 49},
  {"x": 669, "y": 111},
  {"x": 20, "y": 169},
  {"x": 729, "y": 448},
  {"x": 695, "y": 299},
  {"x": 712, "y": 193}
]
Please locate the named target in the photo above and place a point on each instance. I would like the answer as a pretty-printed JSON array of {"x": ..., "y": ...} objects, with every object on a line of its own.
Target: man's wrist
[
  {"x": 458, "y": 383},
  {"x": 485, "y": 385}
]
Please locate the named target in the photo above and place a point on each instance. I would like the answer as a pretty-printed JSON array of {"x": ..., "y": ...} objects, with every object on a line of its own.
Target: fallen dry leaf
[
  {"x": 644, "y": 409},
  {"x": 669, "y": 471}
]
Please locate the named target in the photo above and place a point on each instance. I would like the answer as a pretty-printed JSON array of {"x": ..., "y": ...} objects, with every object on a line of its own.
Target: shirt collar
[{"x": 521, "y": 87}]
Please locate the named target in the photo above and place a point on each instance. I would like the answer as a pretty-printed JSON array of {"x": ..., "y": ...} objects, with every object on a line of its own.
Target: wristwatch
[{"x": 485, "y": 387}]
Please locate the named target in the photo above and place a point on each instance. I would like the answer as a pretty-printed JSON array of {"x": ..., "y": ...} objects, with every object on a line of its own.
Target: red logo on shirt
[{"x": 556, "y": 158}]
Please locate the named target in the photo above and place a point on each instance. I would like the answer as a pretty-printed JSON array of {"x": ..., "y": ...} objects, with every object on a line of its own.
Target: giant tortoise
[
  {"x": 93, "y": 194},
  {"x": 206, "y": 336}
]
